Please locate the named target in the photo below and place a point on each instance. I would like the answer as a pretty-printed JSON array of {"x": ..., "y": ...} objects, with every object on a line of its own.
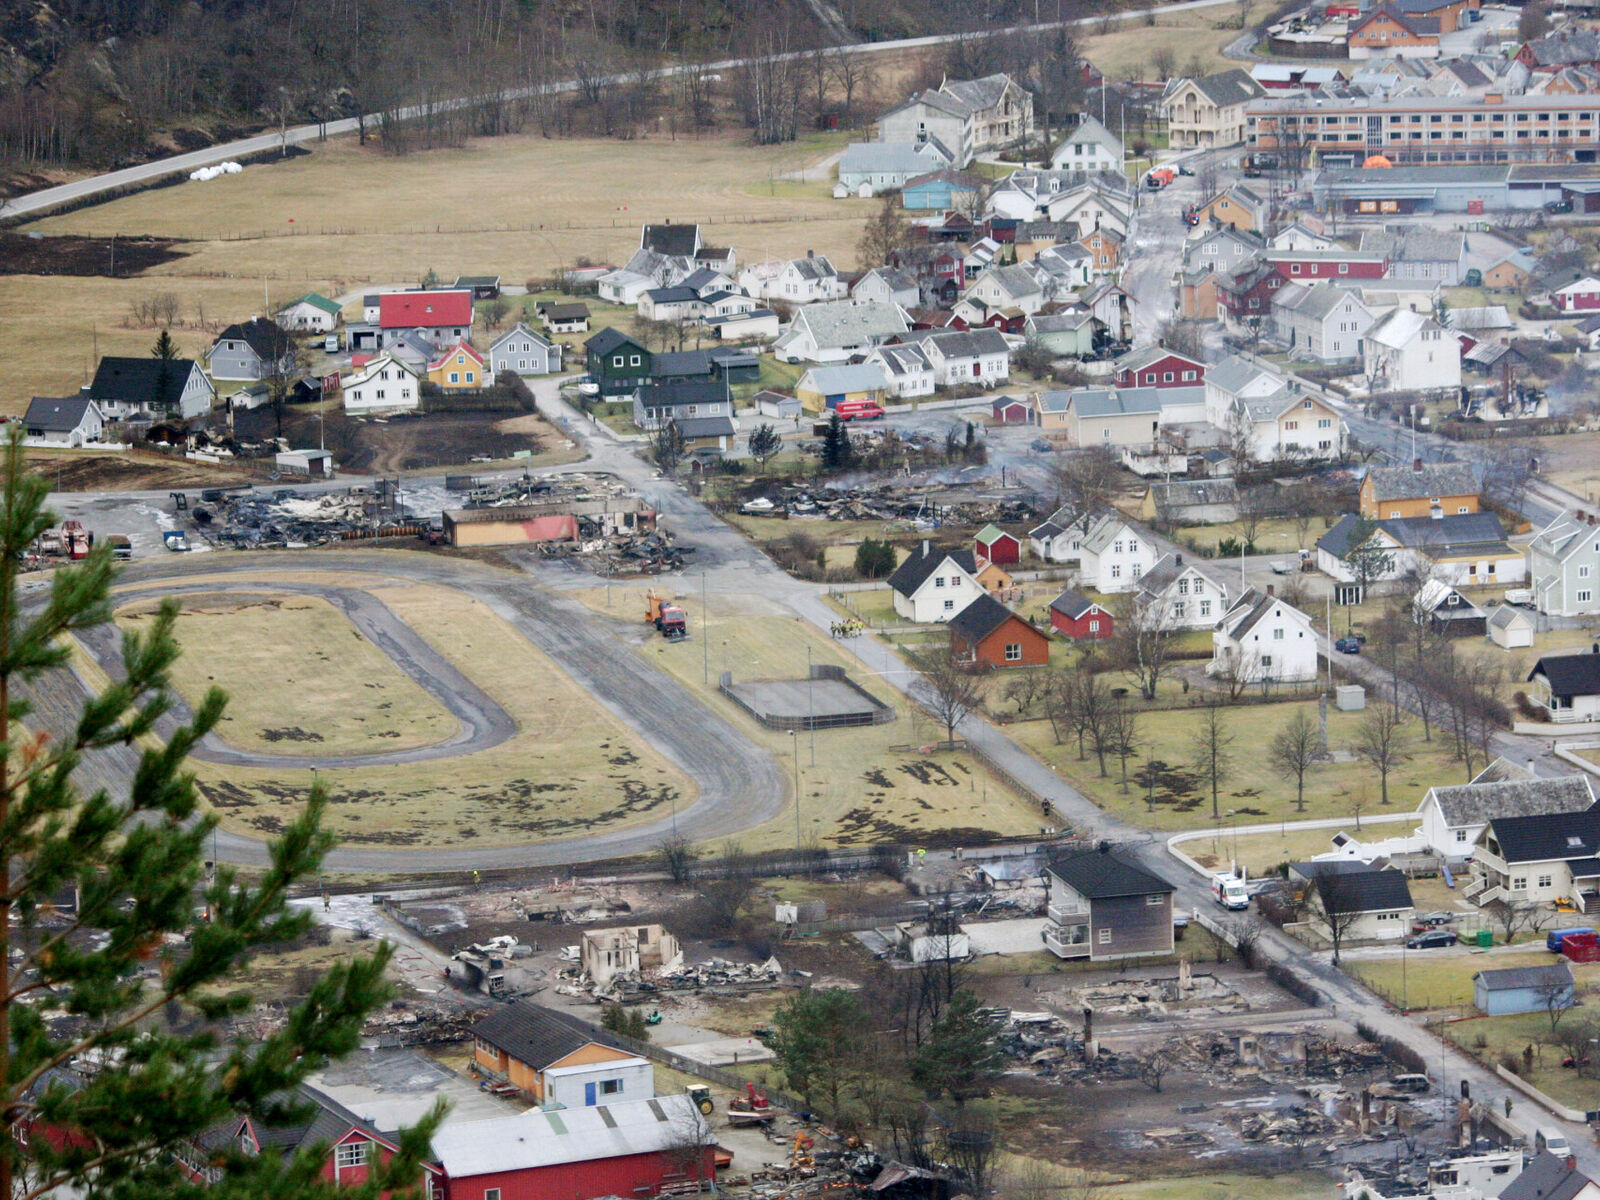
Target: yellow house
[
  {"x": 995, "y": 579},
  {"x": 822, "y": 388},
  {"x": 1416, "y": 490},
  {"x": 522, "y": 1044},
  {"x": 1237, "y": 206},
  {"x": 459, "y": 368},
  {"x": 1051, "y": 410}
]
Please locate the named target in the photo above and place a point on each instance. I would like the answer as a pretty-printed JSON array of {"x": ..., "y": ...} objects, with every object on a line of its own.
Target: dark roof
[
  {"x": 609, "y": 339},
  {"x": 922, "y": 562},
  {"x": 675, "y": 393},
  {"x": 680, "y": 241},
  {"x": 672, "y": 295},
  {"x": 981, "y": 618},
  {"x": 1363, "y": 891},
  {"x": 567, "y": 312},
  {"x": 1482, "y": 800},
  {"x": 266, "y": 338},
  {"x": 1438, "y": 535},
  {"x": 53, "y": 415},
  {"x": 1546, "y": 1178},
  {"x": 1508, "y": 979},
  {"x": 1569, "y": 674},
  {"x": 1434, "y": 479},
  {"x": 1320, "y": 868},
  {"x": 681, "y": 363},
  {"x": 137, "y": 381},
  {"x": 1072, "y": 604},
  {"x": 702, "y": 427},
  {"x": 320, "y": 1120},
  {"x": 530, "y": 1034},
  {"x": 1104, "y": 874},
  {"x": 467, "y": 281},
  {"x": 1547, "y": 837}
]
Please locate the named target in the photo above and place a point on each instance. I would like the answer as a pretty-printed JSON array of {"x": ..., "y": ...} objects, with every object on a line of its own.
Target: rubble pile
[
  {"x": 248, "y": 519},
  {"x": 919, "y": 508},
  {"x": 717, "y": 976}
]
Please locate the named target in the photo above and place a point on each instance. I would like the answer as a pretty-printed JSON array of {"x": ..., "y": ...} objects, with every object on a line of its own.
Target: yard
[
  {"x": 1253, "y": 789},
  {"x": 861, "y": 786},
  {"x": 1420, "y": 979},
  {"x": 1126, "y": 51},
  {"x": 1505, "y": 1040}
]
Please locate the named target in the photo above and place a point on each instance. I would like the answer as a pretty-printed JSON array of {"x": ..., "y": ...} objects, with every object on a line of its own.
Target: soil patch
[
  {"x": 70, "y": 254},
  {"x": 417, "y": 443},
  {"x": 78, "y": 472}
]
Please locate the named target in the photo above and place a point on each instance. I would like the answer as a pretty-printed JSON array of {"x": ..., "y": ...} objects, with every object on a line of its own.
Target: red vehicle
[
  {"x": 859, "y": 410},
  {"x": 1159, "y": 178}
]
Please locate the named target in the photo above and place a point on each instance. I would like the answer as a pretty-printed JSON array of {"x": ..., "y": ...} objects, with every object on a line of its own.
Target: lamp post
[
  {"x": 794, "y": 739},
  {"x": 811, "y": 711}
]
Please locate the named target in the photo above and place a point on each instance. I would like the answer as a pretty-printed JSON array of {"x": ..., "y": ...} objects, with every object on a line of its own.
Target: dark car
[
  {"x": 1558, "y": 206},
  {"x": 1432, "y": 940},
  {"x": 1041, "y": 445},
  {"x": 1347, "y": 645},
  {"x": 1183, "y": 170}
]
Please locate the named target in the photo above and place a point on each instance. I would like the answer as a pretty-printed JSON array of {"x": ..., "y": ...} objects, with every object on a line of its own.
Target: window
[
  {"x": 1116, "y": 572},
  {"x": 1013, "y": 651},
  {"x": 1116, "y": 547},
  {"x": 491, "y": 1194},
  {"x": 1199, "y": 587},
  {"x": 353, "y": 1154},
  {"x": 1544, "y": 881},
  {"x": 1461, "y": 835},
  {"x": 1395, "y": 513},
  {"x": 938, "y": 581},
  {"x": 1138, "y": 569},
  {"x": 1103, "y": 936},
  {"x": 1133, "y": 545},
  {"x": 1188, "y": 376},
  {"x": 949, "y": 605},
  {"x": 1266, "y": 661},
  {"x": 1094, "y": 625},
  {"x": 455, "y": 377},
  {"x": 1584, "y": 596},
  {"x": 1519, "y": 883},
  {"x": 634, "y": 361},
  {"x": 610, "y": 1087},
  {"x": 1177, "y": 609},
  {"x": 1344, "y": 268},
  {"x": 617, "y": 361},
  {"x": 1205, "y": 608},
  {"x": 1167, "y": 377},
  {"x": 1152, "y": 901},
  {"x": 1277, "y": 635},
  {"x": 1183, "y": 587}
]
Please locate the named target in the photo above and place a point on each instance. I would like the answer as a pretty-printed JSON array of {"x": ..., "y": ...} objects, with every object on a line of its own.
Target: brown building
[
  {"x": 1197, "y": 295},
  {"x": 989, "y": 633},
  {"x": 520, "y": 1043},
  {"x": 1102, "y": 907},
  {"x": 1106, "y": 247},
  {"x": 1383, "y": 32},
  {"x": 552, "y": 521},
  {"x": 1388, "y": 493}
]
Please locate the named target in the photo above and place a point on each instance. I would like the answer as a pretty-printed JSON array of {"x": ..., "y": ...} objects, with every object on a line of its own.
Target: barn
[
  {"x": 632, "y": 1148},
  {"x": 1073, "y": 615},
  {"x": 1012, "y": 410},
  {"x": 986, "y": 632},
  {"x": 997, "y": 546}
]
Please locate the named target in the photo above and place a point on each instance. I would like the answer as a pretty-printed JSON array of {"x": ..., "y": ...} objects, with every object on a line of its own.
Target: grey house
[
  {"x": 126, "y": 387},
  {"x": 257, "y": 349},
  {"x": 1102, "y": 907},
  {"x": 68, "y": 421},
  {"x": 523, "y": 352},
  {"x": 1564, "y": 568},
  {"x": 657, "y": 403}
]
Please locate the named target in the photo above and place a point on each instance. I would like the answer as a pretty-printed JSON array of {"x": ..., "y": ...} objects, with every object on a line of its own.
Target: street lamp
[{"x": 794, "y": 739}]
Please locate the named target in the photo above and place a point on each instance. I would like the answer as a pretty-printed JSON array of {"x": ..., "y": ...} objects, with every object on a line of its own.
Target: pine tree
[
  {"x": 836, "y": 448},
  {"x": 764, "y": 443},
  {"x": 96, "y": 990},
  {"x": 166, "y": 352}
]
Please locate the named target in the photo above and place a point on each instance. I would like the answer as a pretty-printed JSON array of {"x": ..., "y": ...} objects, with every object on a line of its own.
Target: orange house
[
  {"x": 521, "y": 1043},
  {"x": 458, "y": 368},
  {"x": 986, "y": 632},
  {"x": 1106, "y": 246},
  {"x": 1390, "y": 493},
  {"x": 1198, "y": 295},
  {"x": 1385, "y": 32}
]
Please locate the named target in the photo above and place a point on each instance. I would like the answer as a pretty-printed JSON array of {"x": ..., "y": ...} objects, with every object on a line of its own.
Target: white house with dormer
[
  {"x": 1016, "y": 286},
  {"x": 805, "y": 280},
  {"x": 967, "y": 357},
  {"x": 386, "y": 384},
  {"x": 1180, "y": 596},
  {"x": 934, "y": 585},
  {"x": 1089, "y": 147},
  {"x": 888, "y": 285},
  {"x": 1263, "y": 639},
  {"x": 1564, "y": 567},
  {"x": 1455, "y": 816}
]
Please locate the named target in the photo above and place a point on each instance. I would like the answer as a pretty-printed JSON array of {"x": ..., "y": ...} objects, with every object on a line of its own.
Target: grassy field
[
  {"x": 1443, "y": 979},
  {"x": 857, "y": 789},
  {"x": 1254, "y": 790},
  {"x": 301, "y": 679},
  {"x": 346, "y": 217},
  {"x": 1128, "y": 49},
  {"x": 1508, "y": 1037},
  {"x": 570, "y": 768}
]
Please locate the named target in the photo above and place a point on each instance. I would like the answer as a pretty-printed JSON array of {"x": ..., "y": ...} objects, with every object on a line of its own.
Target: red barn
[
  {"x": 1074, "y": 615},
  {"x": 995, "y": 544},
  {"x": 1012, "y": 410},
  {"x": 988, "y": 632},
  {"x": 1156, "y": 366},
  {"x": 631, "y": 1148}
]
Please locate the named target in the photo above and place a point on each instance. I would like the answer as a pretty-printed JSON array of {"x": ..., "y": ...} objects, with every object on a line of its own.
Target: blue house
[
  {"x": 943, "y": 190},
  {"x": 1523, "y": 989}
]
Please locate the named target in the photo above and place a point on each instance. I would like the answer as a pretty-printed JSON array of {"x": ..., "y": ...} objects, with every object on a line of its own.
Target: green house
[{"x": 616, "y": 362}]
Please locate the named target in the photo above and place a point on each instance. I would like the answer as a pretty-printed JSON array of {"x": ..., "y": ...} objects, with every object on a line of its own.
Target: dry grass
[
  {"x": 1129, "y": 48},
  {"x": 301, "y": 679},
  {"x": 571, "y": 768},
  {"x": 912, "y": 797}
]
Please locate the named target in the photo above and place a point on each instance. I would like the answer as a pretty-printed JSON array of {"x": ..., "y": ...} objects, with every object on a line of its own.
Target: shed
[
  {"x": 1523, "y": 989},
  {"x": 770, "y": 403},
  {"x": 996, "y": 545},
  {"x": 989, "y": 633},
  {"x": 314, "y": 464},
  {"x": 1511, "y": 628},
  {"x": 1012, "y": 410},
  {"x": 1073, "y": 615}
]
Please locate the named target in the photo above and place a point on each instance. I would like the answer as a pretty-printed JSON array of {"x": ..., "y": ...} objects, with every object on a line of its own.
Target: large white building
[
  {"x": 1264, "y": 639},
  {"x": 1408, "y": 351},
  {"x": 384, "y": 385}
]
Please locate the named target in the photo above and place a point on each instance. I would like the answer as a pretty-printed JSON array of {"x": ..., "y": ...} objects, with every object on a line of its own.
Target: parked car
[
  {"x": 1432, "y": 940},
  {"x": 1041, "y": 445},
  {"x": 1347, "y": 645},
  {"x": 1558, "y": 206},
  {"x": 1183, "y": 170}
]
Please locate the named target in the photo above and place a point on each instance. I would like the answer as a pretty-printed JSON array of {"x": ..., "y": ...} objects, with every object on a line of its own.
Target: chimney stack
[
  {"x": 1271, "y": 590},
  {"x": 1416, "y": 464}
]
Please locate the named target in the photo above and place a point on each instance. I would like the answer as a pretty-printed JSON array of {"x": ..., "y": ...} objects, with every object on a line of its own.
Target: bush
[
  {"x": 1395, "y": 1051},
  {"x": 1528, "y": 709},
  {"x": 1292, "y": 983},
  {"x": 874, "y": 559}
]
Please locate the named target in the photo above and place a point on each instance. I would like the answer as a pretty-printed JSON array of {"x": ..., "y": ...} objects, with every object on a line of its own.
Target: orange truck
[{"x": 1159, "y": 178}]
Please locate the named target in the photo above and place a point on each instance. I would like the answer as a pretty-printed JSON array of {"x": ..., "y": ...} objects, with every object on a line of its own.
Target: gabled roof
[
  {"x": 472, "y": 281},
  {"x": 1071, "y": 604},
  {"x": 859, "y": 377},
  {"x": 1091, "y": 132},
  {"x": 893, "y": 278},
  {"x": 676, "y": 241},
  {"x": 844, "y": 322},
  {"x": 960, "y": 180},
  {"x": 1015, "y": 281},
  {"x": 1121, "y": 402},
  {"x": 884, "y": 158},
  {"x": 1415, "y": 243},
  {"x": 52, "y": 415},
  {"x": 1185, "y": 493},
  {"x": 1363, "y": 891},
  {"x": 1136, "y": 360},
  {"x": 964, "y": 343},
  {"x": 922, "y": 562},
  {"x": 1506, "y": 615},
  {"x": 315, "y": 300},
  {"x": 1433, "y": 479},
  {"x": 267, "y": 338},
  {"x": 981, "y": 618},
  {"x": 1436, "y": 594},
  {"x": 704, "y": 427},
  {"x": 1564, "y": 535},
  {"x": 990, "y": 534},
  {"x": 323, "y": 1121},
  {"x": 459, "y": 348},
  {"x": 902, "y": 360},
  {"x": 530, "y": 1034},
  {"x": 609, "y": 339},
  {"x": 677, "y": 294},
  {"x": 1478, "y": 803},
  {"x": 1548, "y": 837},
  {"x": 574, "y": 311},
  {"x": 675, "y": 393},
  {"x": 1570, "y": 674},
  {"x": 1436, "y": 536},
  {"x": 1235, "y": 373},
  {"x": 1104, "y": 874},
  {"x": 424, "y": 310},
  {"x": 1546, "y": 1177},
  {"x": 1166, "y": 572},
  {"x": 536, "y": 1139},
  {"x": 126, "y": 380},
  {"x": 1511, "y": 979},
  {"x": 1317, "y": 301},
  {"x": 1396, "y": 329},
  {"x": 1226, "y": 87},
  {"x": 1250, "y": 609},
  {"x": 520, "y": 329}
]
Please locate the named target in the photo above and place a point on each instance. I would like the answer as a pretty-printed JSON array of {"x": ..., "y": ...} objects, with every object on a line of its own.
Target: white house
[
  {"x": 967, "y": 116},
  {"x": 971, "y": 357},
  {"x": 907, "y": 369},
  {"x": 1178, "y": 595},
  {"x": 1091, "y": 208},
  {"x": 1568, "y": 686},
  {"x": 523, "y": 352},
  {"x": 887, "y": 285},
  {"x": 868, "y": 168},
  {"x": 1069, "y": 266},
  {"x": 807, "y": 280},
  {"x": 1264, "y": 639},
  {"x": 934, "y": 585},
  {"x": 1015, "y": 286},
  {"x": 69, "y": 421},
  {"x": 312, "y": 313},
  {"x": 1459, "y": 549},
  {"x": 1089, "y": 147},
  {"x": 1233, "y": 379},
  {"x": 1564, "y": 567},
  {"x": 384, "y": 385},
  {"x": 1407, "y": 351},
  {"x": 1454, "y": 817},
  {"x": 677, "y": 305},
  {"x": 1320, "y": 321},
  {"x": 1370, "y": 905},
  {"x": 837, "y": 332},
  {"x": 1299, "y": 237},
  {"x": 1538, "y": 860},
  {"x": 1221, "y": 248},
  {"x": 647, "y": 269},
  {"x": 1114, "y": 554},
  {"x": 1511, "y": 627}
]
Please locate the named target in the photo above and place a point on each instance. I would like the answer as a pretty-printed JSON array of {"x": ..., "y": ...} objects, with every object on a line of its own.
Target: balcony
[
  {"x": 1066, "y": 912},
  {"x": 1067, "y": 941}
]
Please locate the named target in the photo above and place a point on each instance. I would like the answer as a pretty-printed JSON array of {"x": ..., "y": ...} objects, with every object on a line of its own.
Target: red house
[
  {"x": 631, "y": 1148},
  {"x": 1011, "y": 410},
  {"x": 1156, "y": 366},
  {"x": 1249, "y": 294},
  {"x": 1075, "y": 616},
  {"x": 1303, "y": 265},
  {"x": 987, "y": 632},
  {"x": 996, "y": 545}
]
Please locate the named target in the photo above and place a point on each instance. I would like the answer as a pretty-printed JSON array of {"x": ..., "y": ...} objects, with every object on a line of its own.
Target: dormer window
[{"x": 1574, "y": 842}]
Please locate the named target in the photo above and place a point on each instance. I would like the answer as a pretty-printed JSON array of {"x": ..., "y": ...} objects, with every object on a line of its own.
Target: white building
[
  {"x": 934, "y": 585},
  {"x": 384, "y": 385},
  {"x": 1406, "y": 351},
  {"x": 807, "y": 280},
  {"x": 838, "y": 332},
  {"x": 999, "y": 288},
  {"x": 1089, "y": 147},
  {"x": 1320, "y": 321},
  {"x": 907, "y": 369},
  {"x": 1564, "y": 567},
  {"x": 967, "y": 116},
  {"x": 610, "y": 1082},
  {"x": 887, "y": 285},
  {"x": 1263, "y": 639},
  {"x": 1176, "y": 594},
  {"x": 967, "y": 358},
  {"x": 312, "y": 313},
  {"x": 1114, "y": 554},
  {"x": 70, "y": 421},
  {"x": 1454, "y": 817}
]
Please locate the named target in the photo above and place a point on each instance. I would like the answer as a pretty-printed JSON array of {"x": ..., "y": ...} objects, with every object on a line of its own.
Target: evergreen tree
[
  {"x": 875, "y": 559},
  {"x": 667, "y": 447},
  {"x": 836, "y": 448},
  {"x": 960, "y": 1058},
  {"x": 166, "y": 351},
  {"x": 764, "y": 443},
  {"x": 97, "y": 991}
]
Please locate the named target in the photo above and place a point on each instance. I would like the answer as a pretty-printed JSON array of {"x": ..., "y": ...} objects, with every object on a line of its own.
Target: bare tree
[
  {"x": 1026, "y": 689},
  {"x": 949, "y": 691},
  {"x": 1236, "y": 668},
  {"x": 1086, "y": 480},
  {"x": 1153, "y": 1069},
  {"x": 1144, "y": 635},
  {"x": 1555, "y": 996},
  {"x": 887, "y": 231},
  {"x": 1337, "y": 912},
  {"x": 1210, "y": 748},
  {"x": 1381, "y": 740},
  {"x": 1122, "y": 736},
  {"x": 1513, "y": 916},
  {"x": 1294, "y": 750}
]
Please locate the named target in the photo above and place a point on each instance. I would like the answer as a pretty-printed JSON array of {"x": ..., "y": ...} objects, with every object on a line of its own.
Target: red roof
[
  {"x": 458, "y": 348},
  {"x": 423, "y": 310}
]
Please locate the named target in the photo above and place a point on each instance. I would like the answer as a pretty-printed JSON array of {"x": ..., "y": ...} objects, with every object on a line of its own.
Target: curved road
[{"x": 740, "y": 785}]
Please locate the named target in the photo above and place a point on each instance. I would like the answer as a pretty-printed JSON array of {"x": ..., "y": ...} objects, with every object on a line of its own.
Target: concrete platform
[
  {"x": 725, "y": 1052},
  {"x": 1017, "y": 936},
  {"x": 828, "y": 700}
]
